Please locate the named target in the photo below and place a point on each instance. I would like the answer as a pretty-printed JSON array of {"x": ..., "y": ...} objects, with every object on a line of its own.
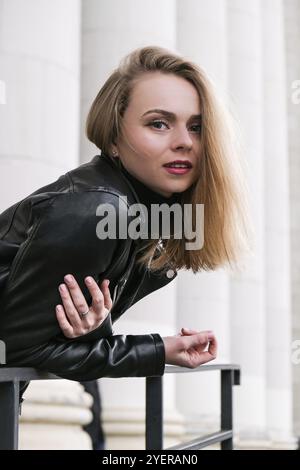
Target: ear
[{"x": 114, "y": 150}]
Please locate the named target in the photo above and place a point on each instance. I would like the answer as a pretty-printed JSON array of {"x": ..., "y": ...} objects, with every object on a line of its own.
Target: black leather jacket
[{"x": 51, "y": 233}]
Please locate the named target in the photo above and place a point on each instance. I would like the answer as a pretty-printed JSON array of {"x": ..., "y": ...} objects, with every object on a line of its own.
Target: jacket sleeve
[
  {"x": 62, "y": 238},
  {"x": 114, "y": 356}
]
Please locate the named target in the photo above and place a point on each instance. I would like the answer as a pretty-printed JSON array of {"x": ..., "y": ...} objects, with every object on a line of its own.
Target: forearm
[{"x": 114, "y": 356}]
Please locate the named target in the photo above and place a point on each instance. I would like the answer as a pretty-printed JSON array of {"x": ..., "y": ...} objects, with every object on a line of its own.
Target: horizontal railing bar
[
  {"x": 205, "y": 441},
  {"x": 29, "y": 373},
  {"x": 178, "y": 369},
  {"x": 10, "y": 374}
]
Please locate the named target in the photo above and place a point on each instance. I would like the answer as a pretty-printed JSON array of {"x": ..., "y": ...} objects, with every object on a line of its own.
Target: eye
[
  {"x": 196, "y": 128},
  {"x": 157, "y": 123}
]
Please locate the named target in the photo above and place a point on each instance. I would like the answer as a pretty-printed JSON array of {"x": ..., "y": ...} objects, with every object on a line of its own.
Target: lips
[{"x": 179, "y": 164}]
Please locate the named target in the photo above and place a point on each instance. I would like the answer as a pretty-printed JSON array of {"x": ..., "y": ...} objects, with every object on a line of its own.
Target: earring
[{"x": 115, "y": 153}]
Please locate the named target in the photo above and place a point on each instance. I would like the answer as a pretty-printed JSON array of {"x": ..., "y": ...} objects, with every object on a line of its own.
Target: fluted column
[
  {"x": 203, "y": 299},
  {"x": 110, "y": 30},
  {"x": 277, "y": 227},
  {"x": 39, "y": 64},
  {"x": 248, "y": 314},
  {"x": 106, "y": 38},
  {"x": 292, "y": 37}
]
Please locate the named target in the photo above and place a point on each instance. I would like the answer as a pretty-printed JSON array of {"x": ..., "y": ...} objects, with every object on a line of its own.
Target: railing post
[
  {"x": 226, "y": 406},
  {"x": 9, "y": 413},
  {"x": 154, "y": 413}
]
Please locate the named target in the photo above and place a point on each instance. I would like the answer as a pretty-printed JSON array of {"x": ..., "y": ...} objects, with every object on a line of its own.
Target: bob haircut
[{"x": 220, "y": 185}]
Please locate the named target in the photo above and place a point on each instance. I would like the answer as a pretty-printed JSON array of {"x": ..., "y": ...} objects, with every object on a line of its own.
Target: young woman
[{"x": 163, "y": 139}]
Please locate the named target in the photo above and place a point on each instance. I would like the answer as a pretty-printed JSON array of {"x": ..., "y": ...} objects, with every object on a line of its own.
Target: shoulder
[
  {"x": 83, "y": 188},
  {"x": 75, "y": 198},
  {"x": 82, "y": 209},
  {"x": 101, "y": 174}
]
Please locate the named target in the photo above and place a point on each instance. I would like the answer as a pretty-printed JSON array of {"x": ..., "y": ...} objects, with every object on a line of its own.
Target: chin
[{"x": 180, "y": 188}]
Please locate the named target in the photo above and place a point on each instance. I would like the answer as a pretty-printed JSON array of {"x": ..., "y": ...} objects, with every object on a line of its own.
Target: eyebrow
[{"x": 169, "y": 114}]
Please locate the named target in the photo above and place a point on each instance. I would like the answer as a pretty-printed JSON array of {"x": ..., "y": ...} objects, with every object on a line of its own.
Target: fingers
[
  {"x": 100, "y": 298},
  {"x": 213, "y": 346},
  {"x": 70, "y": 309},
  {"x": 203, "y": 339},
  {"x": 68, "y": 315},
  {"x": 189, "y": 332},
  {"x": 97, "y": 296},
  {"x": 63, "y": 322},
  {"x": 76, "y": 294},
  {"x": 205, "y": 357},
  {"x": 106, "y": 294},
  {"x": 195, "y": 340},
  {"x": 210, "y": 339}
]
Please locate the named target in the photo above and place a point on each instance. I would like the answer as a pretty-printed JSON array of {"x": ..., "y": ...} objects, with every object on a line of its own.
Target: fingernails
[
  {"x": 88, "y": 280},
  {"x": 108, "y": 281},
  {"x": 62, "y": 288},
  {"x": 68, "y": 278}
]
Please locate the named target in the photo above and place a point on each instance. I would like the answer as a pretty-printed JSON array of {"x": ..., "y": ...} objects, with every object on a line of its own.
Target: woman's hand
[
  {"x": 188, "y": 348},
  {"x": 75, "y": 317}
]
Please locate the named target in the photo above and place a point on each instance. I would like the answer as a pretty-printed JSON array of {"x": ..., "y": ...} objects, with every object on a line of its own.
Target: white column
[
  {"x": 292, "y": 37},
  {"x": 203, "y": 298},
  {"x": 201, "y": 36},
  {"x": 110, "y": 30},
  {"x": 248, "y": 318},
  {"x": 106, "y": 38},
  {"x": 277, "y": 237},
  {"x": 39, "y": 64}
]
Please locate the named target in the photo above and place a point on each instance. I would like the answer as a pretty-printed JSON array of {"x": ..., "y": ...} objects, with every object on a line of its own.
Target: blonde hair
[{"x": 220, "y": 186}]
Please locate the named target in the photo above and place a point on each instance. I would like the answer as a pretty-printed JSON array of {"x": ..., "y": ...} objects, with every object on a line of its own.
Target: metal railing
[
  {"x": 10, "y": 378},
  {"x": 230, "y": 376}
]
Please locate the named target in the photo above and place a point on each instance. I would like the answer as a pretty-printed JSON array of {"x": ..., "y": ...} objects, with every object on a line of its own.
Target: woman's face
[{"x": 151, "y": 139}]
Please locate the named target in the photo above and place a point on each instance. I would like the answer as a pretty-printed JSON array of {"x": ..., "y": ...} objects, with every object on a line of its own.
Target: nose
[{"x": 181, "y": 139}]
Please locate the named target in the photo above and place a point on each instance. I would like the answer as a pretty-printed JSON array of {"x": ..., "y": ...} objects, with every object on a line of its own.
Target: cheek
[
  {"x": 148, "y": 143},
  {"x": 198, "y": 148},
  {"x": 197, "y": 142}
]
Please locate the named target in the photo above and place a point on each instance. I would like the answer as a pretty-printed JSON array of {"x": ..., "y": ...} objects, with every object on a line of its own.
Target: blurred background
[{"x": 54, "y": 57}]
